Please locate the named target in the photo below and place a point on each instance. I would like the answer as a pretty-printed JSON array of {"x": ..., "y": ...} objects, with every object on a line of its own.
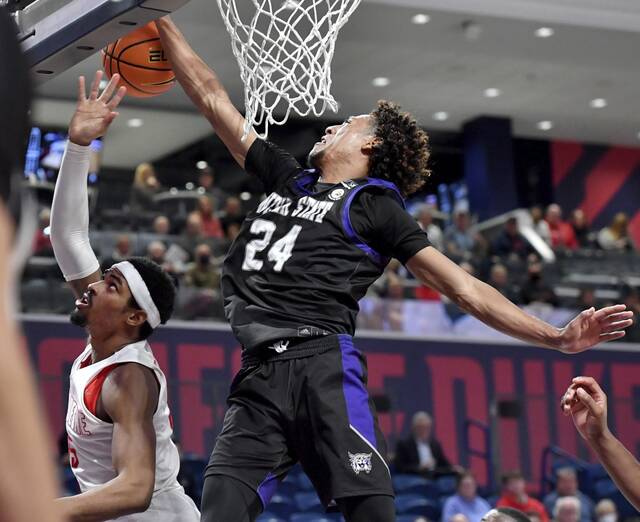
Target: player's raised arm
[
  {"x": 70, "y": 209},
  {"x": 492, "y": 308},
  {"x": 206, "y": 91}
]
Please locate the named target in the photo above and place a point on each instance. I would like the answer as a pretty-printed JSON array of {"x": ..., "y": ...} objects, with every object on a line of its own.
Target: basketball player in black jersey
[{"x": 291, "y": 282}]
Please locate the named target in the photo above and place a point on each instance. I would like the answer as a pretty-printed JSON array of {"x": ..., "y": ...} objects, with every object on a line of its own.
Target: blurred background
[{"x": 532, "y": 108}]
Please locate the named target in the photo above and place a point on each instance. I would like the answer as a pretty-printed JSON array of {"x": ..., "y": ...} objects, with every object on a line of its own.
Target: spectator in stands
[
  {"x": 459, "y": 517},
  {"x": 421, "y": 453},
  {"x": 202, "y": 273},
  {"x": 161, "y": 226},
  {"x": 121, "y": 252},
  {"x": 232, "y": 231},
  {"x": 562, "y": 235},
  {"x": 581, "y": 229},
  {"x": 616, "y": 236},
  {"x": 460, "y": 242},
  {"x": 587, "y": 298},
  {"x": 585, "y": 401},
  {"x": 466, "y": 500},
  {"x": 606, "y": 511},
  {"x": 631, "y": 298},
  {"x": 540, "y": 225},
  {"x": 535, "y": 289},
  {"x": 192, "y": 234},
  {"x": 510, "y": 243},
  {"x": 232, "y": 213},
  {"x": 211, "y": 226},
  {"x": 506, "y": 514},
  {"x": 206, "y": 184},
  {"x": 567, "y": 509},
  {"x": 499, "y": 279},
  {"x": 424, "y": 216},
  {"x": 42, "y": 241},
  {"x": 145, "y": 186},
  {"x": 567, "y": 486},
  {"x": 156, "y": 251},
  {"x": 514, "y": 495}
]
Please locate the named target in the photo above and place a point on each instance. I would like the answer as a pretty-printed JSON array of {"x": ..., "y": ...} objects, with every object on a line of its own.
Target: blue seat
[
  {"x": 309, "y": 502},
  {"x": 604, "y": 488},
  {"x": 305, "y": 482},
  {"x": 417, "y": 505},
  {"x": 446, "y": 485},
  {"x": 269, "y": 517},
  {"x": 403, "y": 482},
  {"x": 281, "y": 506},
  {"x": 309, "y": 517}
]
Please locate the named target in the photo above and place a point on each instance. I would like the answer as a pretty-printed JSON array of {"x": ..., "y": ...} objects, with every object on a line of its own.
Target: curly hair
[{"x": 402, "y": 152}]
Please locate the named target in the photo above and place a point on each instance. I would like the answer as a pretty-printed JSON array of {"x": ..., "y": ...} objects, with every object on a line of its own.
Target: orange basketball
[{"x": 141, "y": 63}]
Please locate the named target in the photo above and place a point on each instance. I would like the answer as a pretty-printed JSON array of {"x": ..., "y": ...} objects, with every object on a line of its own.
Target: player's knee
[
  {"x": 373, "y": 508},
  {"x": 225, "y": 498}
]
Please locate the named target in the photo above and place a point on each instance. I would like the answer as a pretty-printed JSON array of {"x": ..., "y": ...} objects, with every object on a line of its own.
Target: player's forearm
[
  {"x": 621, "y": 465},
  {"x": 197, "y": 79},
  {"x": 24, "y": 450},
  {"x": 116, "y": 498},
  {"x": 70, "y": 216},
  {"x": 489, "y": 306}
]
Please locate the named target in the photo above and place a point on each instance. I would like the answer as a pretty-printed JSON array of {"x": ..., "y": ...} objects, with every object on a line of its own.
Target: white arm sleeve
[{"x": 70, "y": 216}]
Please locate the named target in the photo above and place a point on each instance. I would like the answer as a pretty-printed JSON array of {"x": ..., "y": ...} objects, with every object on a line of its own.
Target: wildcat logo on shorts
[
  {"x": 336, "y": 194},
  {"x": 360, "y": 462}
]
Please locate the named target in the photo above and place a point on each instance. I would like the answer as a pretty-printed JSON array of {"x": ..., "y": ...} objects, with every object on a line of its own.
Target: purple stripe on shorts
[
  {"x": 267, "y": 488},
  {"x": 355, "y": 393}
]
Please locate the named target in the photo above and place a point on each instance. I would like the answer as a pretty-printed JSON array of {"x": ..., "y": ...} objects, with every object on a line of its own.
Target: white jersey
[{"x": 90, "y": 437}]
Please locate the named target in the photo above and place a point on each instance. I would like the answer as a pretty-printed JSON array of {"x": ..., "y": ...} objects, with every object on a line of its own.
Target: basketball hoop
[{"x": 284, "y": 49}]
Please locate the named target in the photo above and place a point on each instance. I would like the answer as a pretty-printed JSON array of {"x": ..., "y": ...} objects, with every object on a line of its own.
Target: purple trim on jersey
[
  {"x": 346, "y": 217},
  {"x": 303, "y": 179},
  {"x": 267, "y": 488},
  {"x": 355, "y": 394}
]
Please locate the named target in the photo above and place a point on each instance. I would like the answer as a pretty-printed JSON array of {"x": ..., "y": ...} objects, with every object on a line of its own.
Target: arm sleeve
[
  {"x": 271, "y": 164},
  {"x": 70, "y": 216},
  {"x": 385, "y": 226}
]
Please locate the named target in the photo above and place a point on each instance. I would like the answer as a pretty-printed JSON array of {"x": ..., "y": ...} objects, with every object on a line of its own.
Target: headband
[{"x": 139, "y": 291}]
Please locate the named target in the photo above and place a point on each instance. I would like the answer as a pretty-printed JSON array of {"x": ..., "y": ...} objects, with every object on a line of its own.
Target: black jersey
[{"x": 309, "y": 252}]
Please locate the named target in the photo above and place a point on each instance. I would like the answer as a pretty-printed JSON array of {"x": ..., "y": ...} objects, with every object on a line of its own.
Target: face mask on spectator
[
  {"x": 609, "y": 517},
  {"x": 204, "y": 259}
]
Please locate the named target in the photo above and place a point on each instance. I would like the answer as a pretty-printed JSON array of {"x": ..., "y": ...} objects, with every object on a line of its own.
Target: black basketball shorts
[{"x": 313, "y": 409}]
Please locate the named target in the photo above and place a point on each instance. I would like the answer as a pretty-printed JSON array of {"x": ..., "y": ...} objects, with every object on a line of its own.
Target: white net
[{"x": 284, "y": 49}]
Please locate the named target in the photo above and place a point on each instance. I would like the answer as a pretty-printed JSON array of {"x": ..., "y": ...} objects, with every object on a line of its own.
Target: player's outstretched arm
[
  {"x": 130, "y": 398},
  {"x": 491, "y": 307},
  {"x": 70, "y": 209},
  {"x": 585, "y": 401},
  {"x": 206, "y": 91},
  {"x": 27, "y": 478}
]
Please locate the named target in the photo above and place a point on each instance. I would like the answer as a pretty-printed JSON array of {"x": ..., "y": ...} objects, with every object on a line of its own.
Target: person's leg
[
  {"x": 225, "y": 499},
  {"x": 374, "y": 508}
]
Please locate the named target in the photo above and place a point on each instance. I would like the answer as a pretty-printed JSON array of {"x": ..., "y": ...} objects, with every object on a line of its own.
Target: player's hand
[
  {"x": 585, "y": 401},
  {"x": 94, "y": 114},
  {"x": 6, "y": 238},
  {"x": 595, "y": 326}
]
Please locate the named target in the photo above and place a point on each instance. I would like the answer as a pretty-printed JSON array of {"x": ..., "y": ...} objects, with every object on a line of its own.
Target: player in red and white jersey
[{"x": 118, "y": 419}]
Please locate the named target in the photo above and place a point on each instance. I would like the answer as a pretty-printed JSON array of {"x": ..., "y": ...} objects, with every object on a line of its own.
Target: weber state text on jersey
[{"x": 298, "y": 266}]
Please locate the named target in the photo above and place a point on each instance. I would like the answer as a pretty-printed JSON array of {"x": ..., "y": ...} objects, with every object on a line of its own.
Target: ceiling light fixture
[
  {"x": 441, "y": 116},
  {"x": 544, "y": 32},
  {"x": 134, "y": 123},
  {"x": 201, "y": 165},
  {"x": 492, "y": 92},
  {"x": 545, "y": 125},
  {"x": 420, "y": 19},
  {"x": 380, "y": 81},
  {"x": 598, "y": 103}
]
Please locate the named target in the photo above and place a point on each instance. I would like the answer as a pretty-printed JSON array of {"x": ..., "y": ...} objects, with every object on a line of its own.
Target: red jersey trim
[{"x": 94, "y": 388}]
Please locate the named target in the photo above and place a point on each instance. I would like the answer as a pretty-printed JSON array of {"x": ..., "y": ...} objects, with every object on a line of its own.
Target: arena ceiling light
[
  {"x": 441, "y": 116},
  {"x": 380, "y": 81},
  {"x": 420, "y": 19},
  {"x": 134, "y": 123},
  {"x": 544, "y": 32},
  {"x": 545, "y": 125},
  {"x": 492, "y": 92},
  {"x": 202, "y": 165},
  {"x": 598, "y": 103}
]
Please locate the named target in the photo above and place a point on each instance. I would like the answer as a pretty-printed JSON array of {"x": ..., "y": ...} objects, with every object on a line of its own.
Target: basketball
[{"x": 141, "y": 63}]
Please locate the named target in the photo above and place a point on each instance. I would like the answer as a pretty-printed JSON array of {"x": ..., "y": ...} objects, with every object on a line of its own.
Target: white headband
[{"x": 139, "y": 291}]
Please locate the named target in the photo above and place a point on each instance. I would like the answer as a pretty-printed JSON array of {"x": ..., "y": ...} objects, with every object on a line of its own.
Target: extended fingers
[
  {"x": 115, "y": 101},
  {"x": 82, "y": 91},
  {"x": 609, "y": 310},
  {"x": 110, "y": 88},
  {"x": 95, "y": 85}
]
